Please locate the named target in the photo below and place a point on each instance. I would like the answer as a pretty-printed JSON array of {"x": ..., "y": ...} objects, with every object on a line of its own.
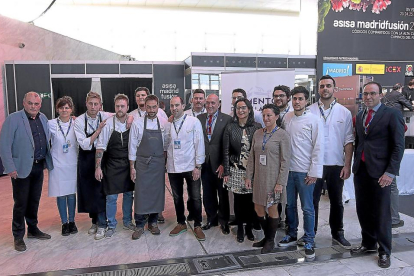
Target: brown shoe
[
  {"x": 180, "y": 228},
  {"x": 153, "y": 228},
  {"x": 198, "y": 233},
  {"x": 138, "y": 233}
]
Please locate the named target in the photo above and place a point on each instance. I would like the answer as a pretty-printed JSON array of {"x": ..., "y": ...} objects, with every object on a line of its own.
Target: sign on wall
[
  {"x": 257, "y": 84},
  {"x": 168, "y": 82}
]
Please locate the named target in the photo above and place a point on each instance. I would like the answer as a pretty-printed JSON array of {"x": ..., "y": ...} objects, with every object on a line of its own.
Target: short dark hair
[
  {"x": 250, "y": 118},
  {"x": 300, "y": 89},
  {"x": 328, "y": 77},
  {"x": 397, "y": 86},
  {"x": 152, "y": 98},
  {"x": 121, "y": 97},
  {"x": 376, "y": 83},
  {"x": 200, "y": 91},
  {"x": 65, "y": 100},
  {"x": 181, "y": 99},
  {"x": 275, "y": 110},
  {"x": 142, "y": 89},
  {"x": 283, "y": 88},
  {"x": 411, "y": 82},
  {"x": 240, "y": 90}
]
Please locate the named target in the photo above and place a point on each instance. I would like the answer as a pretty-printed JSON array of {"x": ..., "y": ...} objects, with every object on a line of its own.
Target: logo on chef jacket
[{"x": 409, "y": 70}]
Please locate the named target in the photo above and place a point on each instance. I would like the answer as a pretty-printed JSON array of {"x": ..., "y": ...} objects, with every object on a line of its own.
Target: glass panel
[
  {"x": 204, "y": 82},
  {"x": 215, "y": 85},
  {"x": 194, "y": 76}
]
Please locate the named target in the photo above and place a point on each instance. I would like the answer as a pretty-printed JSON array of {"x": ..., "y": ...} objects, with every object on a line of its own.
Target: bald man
[
  {"x": 215, "y": 196},
  {"x": 25, "y": 152}
]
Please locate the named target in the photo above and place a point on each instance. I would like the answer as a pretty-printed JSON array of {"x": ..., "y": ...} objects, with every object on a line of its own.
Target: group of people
[{"x": 256, "y": 163}]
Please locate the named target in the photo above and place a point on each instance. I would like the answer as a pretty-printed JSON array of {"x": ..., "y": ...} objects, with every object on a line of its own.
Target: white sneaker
[
  {"x": 93, "y": 229},
  {"x": 100, "y": 233}
]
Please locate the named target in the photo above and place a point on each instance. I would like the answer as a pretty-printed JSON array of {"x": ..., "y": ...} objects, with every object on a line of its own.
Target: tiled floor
[{"x": 81, "y": 250}]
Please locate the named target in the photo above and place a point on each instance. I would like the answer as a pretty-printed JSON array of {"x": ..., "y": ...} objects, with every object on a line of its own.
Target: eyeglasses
[
  {"x": 372, "y": 94},
  {"x": 241, "y": 107},
  {"x": 281, "y": 96}
]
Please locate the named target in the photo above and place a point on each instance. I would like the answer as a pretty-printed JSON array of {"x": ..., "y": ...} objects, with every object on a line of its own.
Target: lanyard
[
  {"x": 139, "y": 112},
  {"x": 285, "y": 112},
  {"x": 97, "y": 124},
  {"x": 181, "y": 125},
  {"x": 61, "y": 130},
  {"x": 270, "y": 136},
  {"x": 330, "y": 106}
]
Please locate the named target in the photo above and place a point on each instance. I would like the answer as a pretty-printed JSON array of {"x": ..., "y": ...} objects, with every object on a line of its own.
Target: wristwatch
[{"x": 198, "y": 167}]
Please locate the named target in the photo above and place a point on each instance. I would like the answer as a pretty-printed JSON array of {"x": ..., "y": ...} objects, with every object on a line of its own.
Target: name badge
[
  {"x": 209, "y": 137},
  {"x": 65, "y": 148},
  {"x": 262, "y": 160},
  {"x": 177, "y": 144}
]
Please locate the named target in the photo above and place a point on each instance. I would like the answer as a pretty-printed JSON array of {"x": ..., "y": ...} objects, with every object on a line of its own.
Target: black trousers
[
  {"x": 244, "y": 208},
  {"x": 194, "y": 196},
  {"x": 373, "y": 210},
  {"x": 215, "y": 196},
  {"x": 26, "y": 196},
  {"x": 335, "y": 187}
]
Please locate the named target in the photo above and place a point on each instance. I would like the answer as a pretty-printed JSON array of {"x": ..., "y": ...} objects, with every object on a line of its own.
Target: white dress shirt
[
  {"x": 192, "y": 151},
  {"x": 137, "y": 130},
  {"x": 137, "y": 113},
  {"x": 191, "y": 112},
  {"x": 103, "y": 138},
  {"x": 92, "y": 125},
  {"x": 306, "y": 137},
  {"x": 338, "y": 131}
]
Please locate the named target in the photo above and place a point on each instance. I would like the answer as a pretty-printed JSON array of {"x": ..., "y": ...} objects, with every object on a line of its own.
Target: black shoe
[
  {"x": 19, "y": 245},
  {"x": 268, "y": 246},
  {"x": 309, "y": 251},
  {"x": 240, "y": 234},
  {"x": 208, "y": 225},
  {"x": 384, "y": 261},
  {"x": 249, "y": 233},
  {"x": 38, "y": 235},
  {"x": 65, "y": 229},
  {"x": 361, "y": 250},
  {"x": 341, "y": 241},
  {"x": 72, "y": 228},
  {"x": 225, "y": 229},
  {"x": 259, "y": 243},
  {"x": 399, "y": 224}
]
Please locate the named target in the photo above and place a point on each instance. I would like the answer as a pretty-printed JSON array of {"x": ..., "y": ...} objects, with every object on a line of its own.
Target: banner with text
[
  {"x": 168, "y": 82},
  {"x": 257, "y": 84}
]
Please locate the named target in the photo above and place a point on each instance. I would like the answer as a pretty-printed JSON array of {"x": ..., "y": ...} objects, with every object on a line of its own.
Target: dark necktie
[
  {"x": 367, "y": 121},
  {"x": 210, "y": 120}
]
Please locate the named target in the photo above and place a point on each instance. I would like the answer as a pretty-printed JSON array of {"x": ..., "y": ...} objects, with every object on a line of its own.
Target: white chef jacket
[
  {"x": 93, "y": 124},
  {"x": 338, "y": 131},
  {"x": 192, "y": 151},
  {"x": 306, "y": 137},
  {"x": 190, "y": 112},
  {"x": 137, "y": 130}
]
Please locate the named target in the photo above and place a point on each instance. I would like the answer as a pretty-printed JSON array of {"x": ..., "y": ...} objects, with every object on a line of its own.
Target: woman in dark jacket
[{"x": 236, "y": 145}]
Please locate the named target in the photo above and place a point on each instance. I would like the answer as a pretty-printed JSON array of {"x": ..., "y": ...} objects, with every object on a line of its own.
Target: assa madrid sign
[
  {"x": 393, "y": 69},
  {"x": 337, "y": 69}
]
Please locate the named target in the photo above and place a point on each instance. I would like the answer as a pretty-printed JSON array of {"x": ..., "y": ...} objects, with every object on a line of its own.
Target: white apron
[{"x": 62, "y": 179}]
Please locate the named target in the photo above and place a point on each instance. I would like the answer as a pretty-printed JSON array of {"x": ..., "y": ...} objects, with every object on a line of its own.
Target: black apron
[
  {"x": 115, "y": 164},
  {"x": 150, "y": 169},
  {"x": 91, "y": 198}
]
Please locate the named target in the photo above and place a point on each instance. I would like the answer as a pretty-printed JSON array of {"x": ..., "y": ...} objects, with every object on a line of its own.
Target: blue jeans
[
  {"x": 66, "y": 205},
  {"x": 296, "y": 185},
  {"x": 140, "y": 220},
  {"x": 126, "y": 209}
]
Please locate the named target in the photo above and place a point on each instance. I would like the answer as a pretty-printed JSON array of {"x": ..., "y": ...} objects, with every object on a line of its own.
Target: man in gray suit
[{"x": 25, "y": 152}]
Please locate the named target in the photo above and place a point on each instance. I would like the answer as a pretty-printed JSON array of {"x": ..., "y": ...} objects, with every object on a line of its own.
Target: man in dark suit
[
  {"x": 396, "y": 100},
  {"x": 25, "y": 151},
  {"x": 379, "y": 148},
  {"x": 215, "y": 196}
]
